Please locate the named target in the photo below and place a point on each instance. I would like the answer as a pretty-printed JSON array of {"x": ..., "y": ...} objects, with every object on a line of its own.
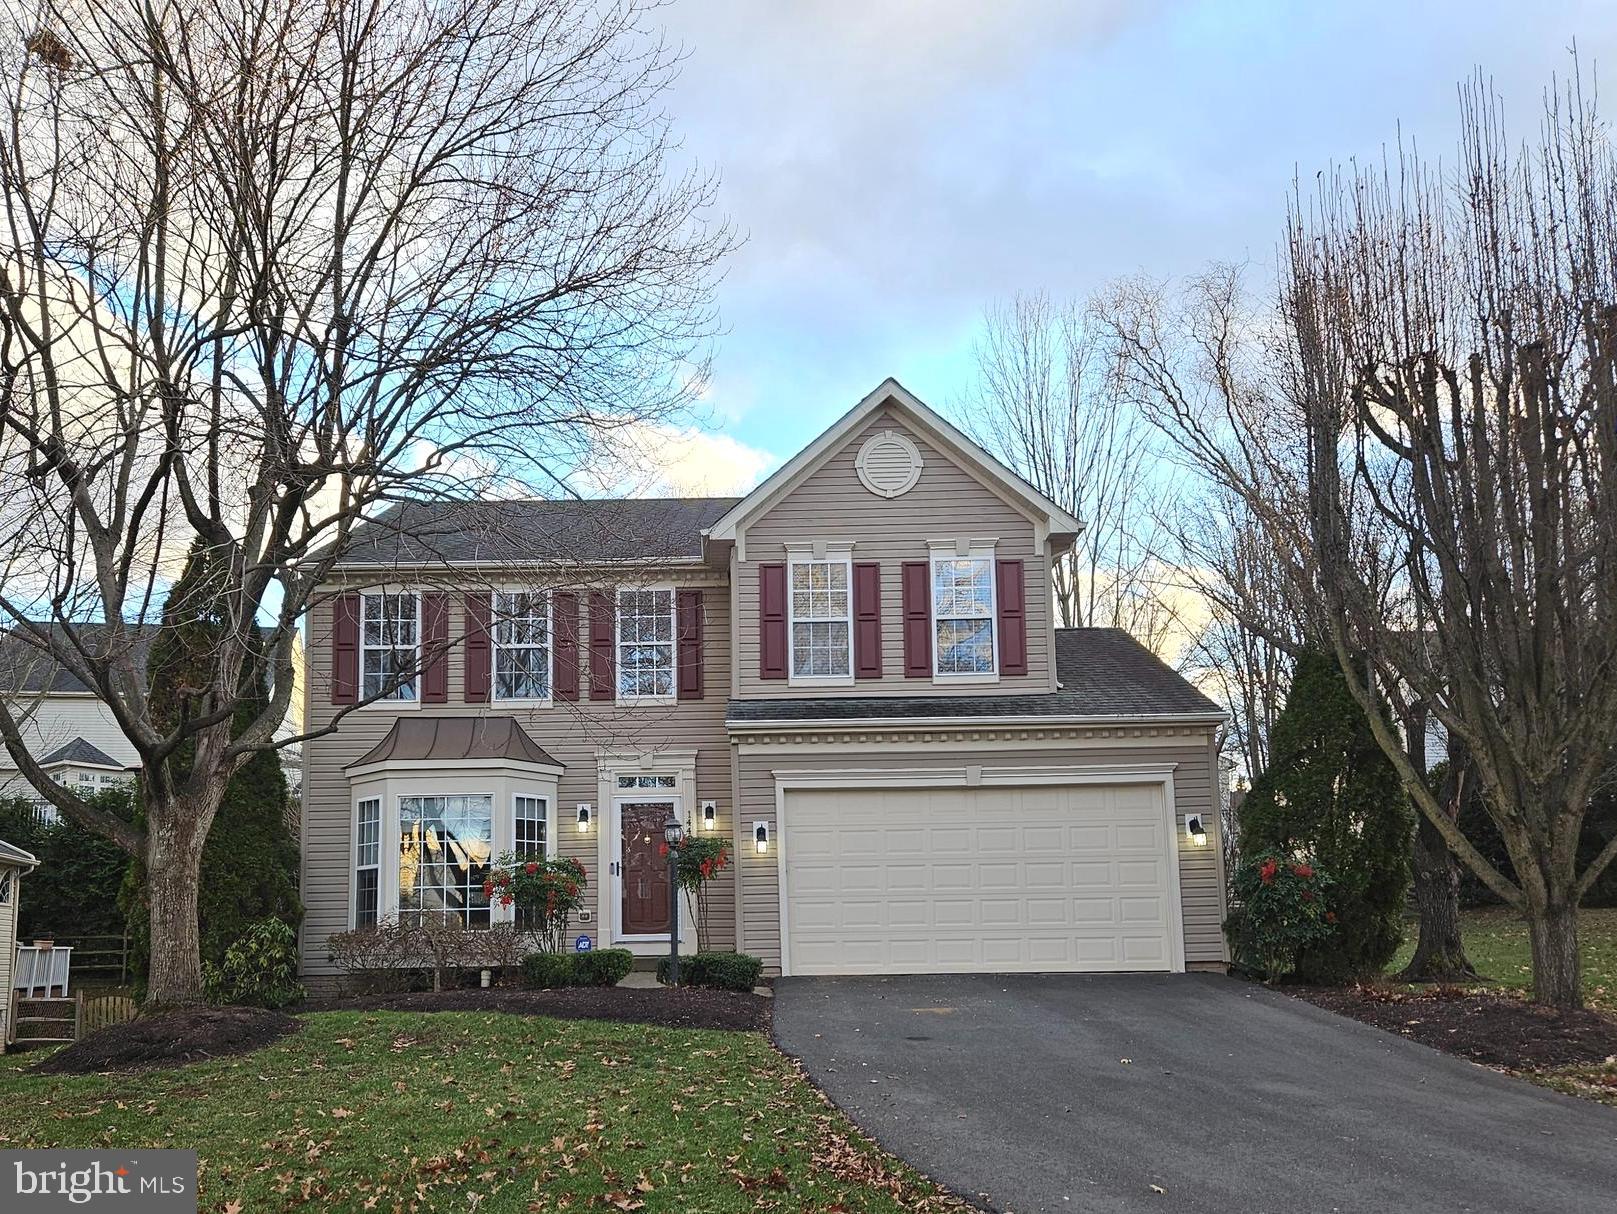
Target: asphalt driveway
[{"x": 1081, "y": 1093}]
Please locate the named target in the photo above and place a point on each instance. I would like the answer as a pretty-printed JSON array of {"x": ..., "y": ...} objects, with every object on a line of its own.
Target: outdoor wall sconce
[
  {"x": 760, "y": 836},
  {"x": 710, "y": 814},
  {"x": 583, "y": 818},
  {"x": 1195, "y": 831}
]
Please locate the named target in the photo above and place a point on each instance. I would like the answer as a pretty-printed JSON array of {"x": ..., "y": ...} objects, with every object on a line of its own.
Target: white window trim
[
  {"x": 795, "y": 557},
  {"x": 951, "y": 550},
  {"x": 673, "y": 644},
  {"x": 390, "y": 702},
  {"x": 494, "y": 648}
]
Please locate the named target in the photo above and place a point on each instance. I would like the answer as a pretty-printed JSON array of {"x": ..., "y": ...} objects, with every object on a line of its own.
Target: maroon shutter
[
  {"x": 564, "y": 652},
  {"x": 772, "y": 621},
  {"x": 344, "y": 648},
  {"x": 603, "y": 668},
  {"x": 689, "y": 620},
  {"x": 434, "y": 649},
  {"x": 917, "y": 620},
  {"x": 1012, "y": 593},
  {"x": 867, "y": 620},
  {"x": 477, "y": 649}
]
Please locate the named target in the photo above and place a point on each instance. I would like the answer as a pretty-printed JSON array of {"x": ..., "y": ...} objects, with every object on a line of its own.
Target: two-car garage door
[{"x": 896, "y": 880}]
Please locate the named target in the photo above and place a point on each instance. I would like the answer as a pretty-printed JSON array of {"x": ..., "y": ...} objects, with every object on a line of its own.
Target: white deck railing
[{"x": 41, "y": 973}]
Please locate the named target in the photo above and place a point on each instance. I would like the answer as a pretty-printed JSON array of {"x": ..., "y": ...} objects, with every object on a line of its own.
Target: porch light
[
  {"x": 1195, "y": 831},
  {"x": 583, "y": 818},
  {"x": 710, "y": 814},
  {"x": 760, "y": 836},
  {"x": 673, "y": 832}
]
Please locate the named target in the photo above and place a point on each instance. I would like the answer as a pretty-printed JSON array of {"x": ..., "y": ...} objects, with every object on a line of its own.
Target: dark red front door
[{"x": 645, "y": 869}]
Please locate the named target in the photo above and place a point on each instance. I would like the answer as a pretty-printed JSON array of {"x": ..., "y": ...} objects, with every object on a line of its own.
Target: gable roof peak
[{"x": 937, "y": 429}]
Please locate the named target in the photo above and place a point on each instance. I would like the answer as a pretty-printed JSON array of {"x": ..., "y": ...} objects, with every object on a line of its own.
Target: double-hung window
[
  {"x": 645, "y": 644},
  {"x": 530, "y": 831},
  {"x": 367, "y": 861},
  {"x": 963, "y": 614},
  {"x": 821, "y": 619},
  {"x": 390, "y": 645},
  {"x": 521, "y": 635}
]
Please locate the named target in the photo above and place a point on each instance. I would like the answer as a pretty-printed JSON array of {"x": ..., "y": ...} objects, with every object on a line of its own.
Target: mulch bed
[
  {"x": 686, "y": 1007},
  {"x": 1495, "y": 1030},
  {"x": 170, "y": 1039}
]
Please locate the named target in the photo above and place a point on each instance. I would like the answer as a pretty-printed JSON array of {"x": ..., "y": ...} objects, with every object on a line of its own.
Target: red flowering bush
[
  {"x": 545, "y": 893},
  {"x": 1281, "y": 908},
  {"x": 701, "y": 859}
]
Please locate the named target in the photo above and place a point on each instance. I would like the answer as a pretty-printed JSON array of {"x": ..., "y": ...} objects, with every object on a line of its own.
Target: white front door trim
[{"x": 971, "y": 776}]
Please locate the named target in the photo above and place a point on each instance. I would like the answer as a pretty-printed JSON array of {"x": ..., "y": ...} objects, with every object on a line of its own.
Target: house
[
  {"x": 853, "y": 673},
  {"x": 14, "y": 862},
  {"x": 72, "y": 731}
]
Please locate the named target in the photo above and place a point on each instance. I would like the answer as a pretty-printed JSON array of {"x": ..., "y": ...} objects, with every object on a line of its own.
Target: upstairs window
[
  {"x": 390, "y": 645},
  {"x": 963, "y": 614},
  {"x": 821, "y": 620},
  {"x": 521, "y": 637},
  {"x": 645, "y": 644}
]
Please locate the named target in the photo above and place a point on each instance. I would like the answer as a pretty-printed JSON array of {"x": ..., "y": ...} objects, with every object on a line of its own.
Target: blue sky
[{"x": 897, "y": 165}]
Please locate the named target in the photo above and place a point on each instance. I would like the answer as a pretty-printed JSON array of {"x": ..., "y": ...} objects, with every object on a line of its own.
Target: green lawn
[
  {"x": 477, "y": 1113},
  {"x": 1496, "y": 942}
]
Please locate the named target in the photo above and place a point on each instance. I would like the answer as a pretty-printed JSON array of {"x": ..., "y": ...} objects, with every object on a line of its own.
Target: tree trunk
[
  {"x": 173, "y": 872},
  {"x": 1439, "y": 949},
  {"x": 1557, "y": 968}
]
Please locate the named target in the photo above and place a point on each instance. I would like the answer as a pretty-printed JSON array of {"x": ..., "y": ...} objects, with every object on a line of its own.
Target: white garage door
[{"x": 962, "y": 880}]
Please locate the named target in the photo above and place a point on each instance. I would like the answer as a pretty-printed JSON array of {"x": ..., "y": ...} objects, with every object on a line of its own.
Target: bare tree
[
  {"x": 274, "y": 266},
  {"x": 1433, "y": 441},
  {"x": 1045, "y": 403}
]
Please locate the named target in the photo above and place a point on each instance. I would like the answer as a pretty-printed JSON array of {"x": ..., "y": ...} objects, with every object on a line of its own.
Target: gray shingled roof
[
  {"x": 81, "y": 752},
  {"x": 26, "y": 668},
  {"x": 449, "y": 739},
  {"x": 1103, "y": 672},
  {"x": 615, "y": 529}
]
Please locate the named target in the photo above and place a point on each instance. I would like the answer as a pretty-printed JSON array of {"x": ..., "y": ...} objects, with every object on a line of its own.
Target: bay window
[
  {"x": 367, "y": 861},
  {"x": 521, "y": 642},
  {"x": 821, "y": 619},
  {"x": 963, "y": 614},
  {"x": 645, "y": 644},
  {"x": 390, "y": 645},
  {"x": 446, "y": 844}
]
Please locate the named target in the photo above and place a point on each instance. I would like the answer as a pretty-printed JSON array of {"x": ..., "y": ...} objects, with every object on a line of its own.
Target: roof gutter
[{"x": 861, "y": 723}]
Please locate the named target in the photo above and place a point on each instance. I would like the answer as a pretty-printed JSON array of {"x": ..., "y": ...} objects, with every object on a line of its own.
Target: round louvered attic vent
[{"x": 889, "y": 464}]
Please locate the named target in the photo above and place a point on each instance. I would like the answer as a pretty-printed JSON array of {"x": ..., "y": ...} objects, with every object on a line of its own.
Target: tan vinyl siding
[
  {"x": 1195, "y": 784},
  {"x": 572, "y": 733},
  {"x": 947, "y": 503}
]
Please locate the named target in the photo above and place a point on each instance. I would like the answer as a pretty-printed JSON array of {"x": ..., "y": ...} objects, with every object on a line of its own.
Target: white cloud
[{"x": 649, "y": 459}]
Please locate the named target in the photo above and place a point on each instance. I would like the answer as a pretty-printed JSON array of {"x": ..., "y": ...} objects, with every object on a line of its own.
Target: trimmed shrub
[
  {"x": 541, "y": 971},
  {"x": 602, "y": 967},
  {"x": 1283, "y": 910},
  {"x": 1331, "y": 798},
  {"x": 723, "y": 971},
  {"x": 260, "y": 969}
]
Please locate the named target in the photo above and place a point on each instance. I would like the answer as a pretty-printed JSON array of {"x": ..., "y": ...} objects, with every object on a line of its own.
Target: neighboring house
[
  {"x": 14, "y": 862},
  {"x": 853, "y": 673},
  {"x": 72, "y": 731}
]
